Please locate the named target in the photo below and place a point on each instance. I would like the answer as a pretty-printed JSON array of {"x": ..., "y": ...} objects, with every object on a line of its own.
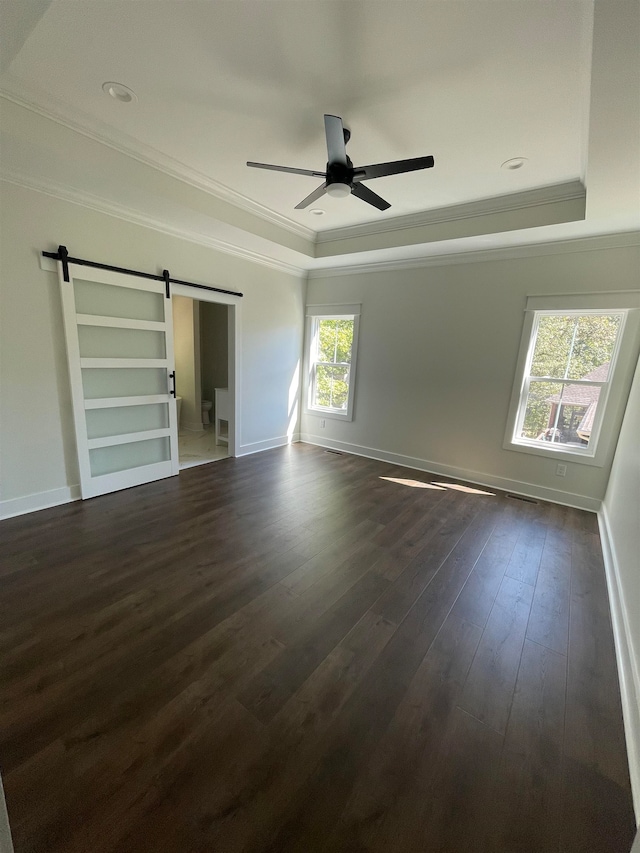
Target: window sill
[
  {"x": 329, "y": 413},
  {"x": 562, "y": 454}
]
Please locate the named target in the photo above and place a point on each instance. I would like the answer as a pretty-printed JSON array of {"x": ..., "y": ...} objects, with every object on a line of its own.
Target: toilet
[{"x": 207, "y": 405}]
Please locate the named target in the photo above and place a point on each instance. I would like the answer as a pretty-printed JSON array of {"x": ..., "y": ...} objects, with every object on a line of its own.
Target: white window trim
[
  {"x": 331, "y": 312},
  {"x": 611, "y": 407}
]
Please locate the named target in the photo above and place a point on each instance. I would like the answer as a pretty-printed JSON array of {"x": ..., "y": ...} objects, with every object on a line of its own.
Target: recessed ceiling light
[
  {"x": 316, "y": 211},
  {"x": 119, "y": 92},
  {"x": 514, "y": 163}
]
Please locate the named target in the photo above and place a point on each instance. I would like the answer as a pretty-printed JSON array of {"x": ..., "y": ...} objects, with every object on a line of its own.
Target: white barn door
[{"x": 119, "y": 335}]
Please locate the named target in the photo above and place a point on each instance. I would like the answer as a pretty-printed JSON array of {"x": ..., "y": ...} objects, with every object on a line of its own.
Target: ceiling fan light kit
[
  {"x": 341, "y": 178},
  {"x": 338, "y": 190}
]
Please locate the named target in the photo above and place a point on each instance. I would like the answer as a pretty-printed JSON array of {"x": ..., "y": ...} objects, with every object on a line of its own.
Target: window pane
[
  {"x": 593, "y": 346},
  {"x": 122, "y": 457},
  {"x": 331, "y": 387},
  {"x": 123, "y": 381},
  {"x": 108, "y": 342},
  {"x": 335, "y": 338},
  {"x": 575, "y": 346},
  {"x": 560, "y": 413},
  {"x": 118, "y": 420},
  {"x": 553, "y": 346},
  {"x": 94, "y": 297}
]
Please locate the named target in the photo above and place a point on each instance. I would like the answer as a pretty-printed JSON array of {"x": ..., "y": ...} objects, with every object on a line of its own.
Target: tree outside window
[{"x": 333, "y": 363}]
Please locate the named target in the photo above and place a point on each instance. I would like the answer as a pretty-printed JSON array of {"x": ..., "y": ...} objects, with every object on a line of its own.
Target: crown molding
[
  {"x": 149, "y": 156},
  {"x": 99, "y": 132},
  {"x": 619, "y": 240},
  {"x": 110, "y": 208},
  {"x": 569, "y": 191}
]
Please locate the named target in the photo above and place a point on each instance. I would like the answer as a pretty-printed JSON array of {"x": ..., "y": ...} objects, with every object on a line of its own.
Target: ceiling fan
[{"x": 341, "y": 178}]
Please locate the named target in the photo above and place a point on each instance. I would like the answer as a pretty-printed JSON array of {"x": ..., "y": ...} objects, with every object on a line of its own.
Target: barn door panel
[{"x": 119, "y": 336}]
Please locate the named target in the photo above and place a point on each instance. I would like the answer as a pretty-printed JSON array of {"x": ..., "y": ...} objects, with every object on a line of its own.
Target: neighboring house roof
[{"x": 583, "y": 395}]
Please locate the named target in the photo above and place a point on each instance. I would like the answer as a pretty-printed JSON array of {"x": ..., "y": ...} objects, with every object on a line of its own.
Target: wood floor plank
[
  {"x": 525, "y": 560},
  {"x": 370, "y": 709},
  {"x": 330, "y": 557},
  {"x": 422, "y": 501},
  {"x": 595, "y": 777},
  {"x": 386, "y": 807},
  {"x": 597, "y": 812},
  {"x": 165, "y": 816},
  {"x": 478, "y": 595},
  {"x": 593, "y": 698},
  {"x": 124, "y": 665},
  {"x": 488, "y": 690},
  {"x": 461, "y": 536},
  {"x": 549, "y": 622},
  {"x": 455, "y": 813},
  {"x": 332, "y": 585},
  {"x": 529, "y": 782},
  {"x": 398, "y": 554},
  {"x": 271, "y": 689},
  {"x": 305, "y": 651},
  {"x": 236, "y": 817},
  {"x": 137, "y": 727}
]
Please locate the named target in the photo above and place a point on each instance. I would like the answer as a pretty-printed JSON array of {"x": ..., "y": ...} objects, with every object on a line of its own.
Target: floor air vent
[
  {"x": 337, "y": 452},
  {"x": 522, "y": 498}
]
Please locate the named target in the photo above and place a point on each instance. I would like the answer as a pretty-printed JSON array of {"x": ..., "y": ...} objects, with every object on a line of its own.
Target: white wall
[
  {"x": 37, "y": 448},
  {"x": 436, "y": 361},
  {"x": 186, "y": 343},
  {"x": 620, "y": 528}
]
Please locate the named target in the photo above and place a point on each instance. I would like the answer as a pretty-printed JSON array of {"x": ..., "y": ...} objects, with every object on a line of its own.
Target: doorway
[{"x": 206, "y": 359}]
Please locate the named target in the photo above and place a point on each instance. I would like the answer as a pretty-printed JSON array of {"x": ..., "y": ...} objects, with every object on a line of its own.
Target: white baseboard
[
  {"x": 268, "y": 444},
  {"x": 44, "y": 500},
  {"x": 39, "y": 500},
  {"x": 55, "y": 497},
  {"x": 628, "y": 664},
  {"x": 530, "y": 490},
  {"x": 6, "y": 845}
]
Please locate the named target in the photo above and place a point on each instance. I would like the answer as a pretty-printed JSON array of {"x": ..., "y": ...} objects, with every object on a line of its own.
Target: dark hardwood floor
[{"x": 289, "y": 652}]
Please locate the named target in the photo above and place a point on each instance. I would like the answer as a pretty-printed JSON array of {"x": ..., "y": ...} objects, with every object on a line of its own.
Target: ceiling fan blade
[
  {"x": 314, "y": 196},
  {"x": 369, "y": 196},
  {"x": 397, "y": 167},
  {"x": 287, "y": 169},
  {"x": 336, "y": 149}
]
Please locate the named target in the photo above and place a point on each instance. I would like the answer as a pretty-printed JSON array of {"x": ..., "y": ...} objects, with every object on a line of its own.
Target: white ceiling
[
  {"x": 472, "y": 82},
  {"x": 219, "y": 83}
]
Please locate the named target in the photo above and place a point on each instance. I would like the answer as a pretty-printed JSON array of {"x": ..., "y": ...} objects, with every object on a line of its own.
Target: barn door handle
[{"x": 172, "y": 377}]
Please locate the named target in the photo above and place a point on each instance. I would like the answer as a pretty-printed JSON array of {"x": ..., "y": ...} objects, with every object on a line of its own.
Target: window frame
[
  {"x": 314, "y": 314},
  {"x": 612, "y": 396}
]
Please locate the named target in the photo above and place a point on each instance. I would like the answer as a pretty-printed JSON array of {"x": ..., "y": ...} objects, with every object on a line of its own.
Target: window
[
  {"x": 566, "y": 378},
  {"x": 332, "y": 335},
  {"x": 567, "y": 366}
]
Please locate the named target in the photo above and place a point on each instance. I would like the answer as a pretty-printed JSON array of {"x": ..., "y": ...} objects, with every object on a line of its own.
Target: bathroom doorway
[{"x": 205, "y": 342}]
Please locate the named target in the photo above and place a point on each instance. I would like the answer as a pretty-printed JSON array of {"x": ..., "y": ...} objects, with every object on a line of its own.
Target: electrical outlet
[
  {"x": 561, "y": 469},
  {"x": 323, "y": 423}
]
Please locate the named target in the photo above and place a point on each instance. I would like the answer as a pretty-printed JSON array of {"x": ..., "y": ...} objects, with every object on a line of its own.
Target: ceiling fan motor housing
[{"x": 338, "y": 173}]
